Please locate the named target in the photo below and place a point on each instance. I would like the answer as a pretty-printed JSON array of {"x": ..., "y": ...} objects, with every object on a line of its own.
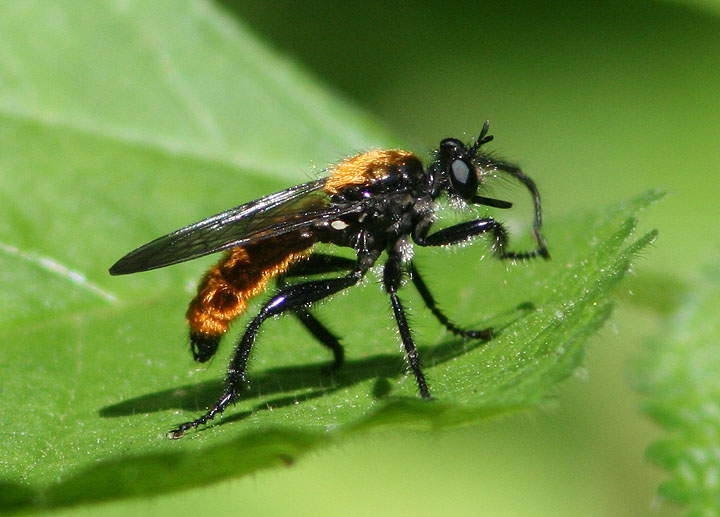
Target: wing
[{"x": 272, "y": 215}]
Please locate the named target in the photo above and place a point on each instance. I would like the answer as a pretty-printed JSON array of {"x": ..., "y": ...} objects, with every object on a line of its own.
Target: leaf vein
[{"x": 53, "y": 266}]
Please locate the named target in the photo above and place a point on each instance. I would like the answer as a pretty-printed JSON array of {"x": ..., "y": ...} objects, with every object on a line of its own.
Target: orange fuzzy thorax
[{"x": 364, "y": 168}]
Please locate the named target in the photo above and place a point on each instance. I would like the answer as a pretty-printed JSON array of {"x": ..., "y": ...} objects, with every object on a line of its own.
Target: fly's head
[{"x": 455, "y": 166}]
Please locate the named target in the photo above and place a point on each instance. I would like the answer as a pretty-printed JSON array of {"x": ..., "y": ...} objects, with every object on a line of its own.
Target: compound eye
[{"x": 463, "y": 178}]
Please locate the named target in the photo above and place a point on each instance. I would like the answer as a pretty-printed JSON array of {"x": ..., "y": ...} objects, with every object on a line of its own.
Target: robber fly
[{"x": 383, "y": 200}]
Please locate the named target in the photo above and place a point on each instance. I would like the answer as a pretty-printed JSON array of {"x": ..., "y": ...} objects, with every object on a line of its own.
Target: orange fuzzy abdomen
[{"x": 242, "y": 273}]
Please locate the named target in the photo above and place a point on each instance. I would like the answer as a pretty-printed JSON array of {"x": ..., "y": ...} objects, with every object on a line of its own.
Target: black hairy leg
[
  {"x": 288, "y": 299},
  {"x": 464, "y": 231},
  {"x": 318, "y": 264},
  {"x": 392, "y": 275},
  {"x": 324, "y": 336},
  {"x": 484, "y": 334}
]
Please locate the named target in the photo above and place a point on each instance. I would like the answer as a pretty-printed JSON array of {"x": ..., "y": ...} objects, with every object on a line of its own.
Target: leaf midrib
[{"x": 172, "y": 148}]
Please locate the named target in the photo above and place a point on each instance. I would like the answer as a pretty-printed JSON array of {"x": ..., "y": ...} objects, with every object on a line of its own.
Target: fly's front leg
[
  {"x": 464, "y": 231},
  {"x": 518, "y": 173},
  {"x": 288, "y": 299}
]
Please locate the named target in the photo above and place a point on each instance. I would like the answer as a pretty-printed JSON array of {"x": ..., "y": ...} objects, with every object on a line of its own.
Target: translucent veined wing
[{"x": 272, "y": 215}]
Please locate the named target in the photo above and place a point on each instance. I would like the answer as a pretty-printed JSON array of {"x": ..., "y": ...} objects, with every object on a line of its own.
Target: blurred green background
[{"x": 598, "y": 102}]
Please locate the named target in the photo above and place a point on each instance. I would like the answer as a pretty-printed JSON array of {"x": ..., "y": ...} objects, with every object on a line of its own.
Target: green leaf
[
  {"x": 122, "y": 121},
  {"x": 679, "y": 376}
]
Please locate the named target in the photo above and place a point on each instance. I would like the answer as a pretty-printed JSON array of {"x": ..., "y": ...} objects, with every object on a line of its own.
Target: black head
[{"x": 457, "y": 163}]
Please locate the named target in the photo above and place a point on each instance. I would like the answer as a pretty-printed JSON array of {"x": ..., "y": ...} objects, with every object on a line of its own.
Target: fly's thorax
[{"x": 379, "y": 170}]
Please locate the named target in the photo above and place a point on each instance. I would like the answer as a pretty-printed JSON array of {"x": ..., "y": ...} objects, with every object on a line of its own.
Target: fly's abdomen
[{"x": 226, "y": 288}]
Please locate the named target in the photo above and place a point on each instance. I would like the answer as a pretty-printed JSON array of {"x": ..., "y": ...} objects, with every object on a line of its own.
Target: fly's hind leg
[
  {"x": 318, "y": 264},
  {"x": 290, "y": 298},
  {"x": 324, "y": 336}
]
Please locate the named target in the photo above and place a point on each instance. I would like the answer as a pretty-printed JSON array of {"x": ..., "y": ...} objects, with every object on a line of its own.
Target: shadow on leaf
[{"x": 300, "y": 383}]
